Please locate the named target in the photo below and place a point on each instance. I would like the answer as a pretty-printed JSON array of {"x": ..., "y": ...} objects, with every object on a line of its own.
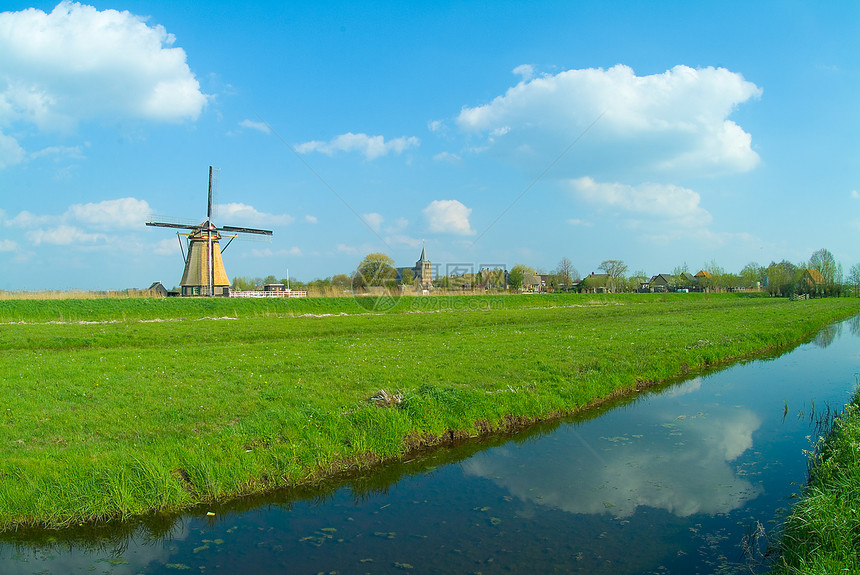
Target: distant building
[
  {"x": 813, "y": 281},
  {"x": 596, "y": 283},
  {"x": 670, "y": 283},
  {"x": 531, "y": 282},
  {"x": 157, "y": 289},
  {"x": 422, "y": 272}
]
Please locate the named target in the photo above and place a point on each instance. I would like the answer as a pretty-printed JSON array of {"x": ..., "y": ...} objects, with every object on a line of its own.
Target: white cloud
[
  {"x": 371, "y": 147},
  {"x": 11, "y": 152},
  {"x": 167, "y": 247},
  {"x": 259, "y": 126},
  {"x": 119, "y": 214},
  {"x": 855, "y": 194},
  {"x": 671, "y": 203},
  {"x": 447, "y": 157},
  {"x": 403, "y": 240},
  {"x": 71, "y": 152},
  {"x": 270, "y": 253},
  {"x": 311, "y": 219},
  {"x": 110, "y": 214},
  {"x": 345, "y": 249},
  {"x": 63, "y": 235},
  {"x": 80, "y": 63},
  {"x": 526, "y": 71},
  {"x": 8, "y": 246},
  {"x": 237, "y": 214},
  {"x": 373, "y": 220},
  {"x": 399, "y": 225},
  {"x": 578, "y": 222},
  {"x": 449, "y": 217},
  {"x": 27, "y": 219},
  {"x": 437, "y": 126},
  {"x": 675, "y": 122}
]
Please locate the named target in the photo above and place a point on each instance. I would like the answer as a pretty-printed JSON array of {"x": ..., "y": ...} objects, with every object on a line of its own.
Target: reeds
[{"x": 822, "y": 533}]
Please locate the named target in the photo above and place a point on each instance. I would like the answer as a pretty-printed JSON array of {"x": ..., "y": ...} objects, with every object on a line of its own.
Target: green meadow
[{"x": 113, "y": 408}]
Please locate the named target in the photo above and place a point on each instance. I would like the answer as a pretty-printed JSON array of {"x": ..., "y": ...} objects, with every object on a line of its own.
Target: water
[{"x": 675, "y": 480}]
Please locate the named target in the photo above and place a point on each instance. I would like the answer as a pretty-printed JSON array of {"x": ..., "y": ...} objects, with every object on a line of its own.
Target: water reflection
[
  {"x": 680, "y": 463},
  {"x": 827, "y": 335},
  {"x": 854, "y": 325},
  {"x": 125, "y": 555}
]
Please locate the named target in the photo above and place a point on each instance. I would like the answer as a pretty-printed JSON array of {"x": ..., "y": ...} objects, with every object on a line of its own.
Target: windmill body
[
  {"x": 195, "y": 278},
  {"x": 204, "y": 273}
]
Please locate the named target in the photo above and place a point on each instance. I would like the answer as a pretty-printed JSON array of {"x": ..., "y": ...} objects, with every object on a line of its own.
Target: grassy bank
[
  {"x": 822, "y": 533},
  {"x": 126, "y": 415}
]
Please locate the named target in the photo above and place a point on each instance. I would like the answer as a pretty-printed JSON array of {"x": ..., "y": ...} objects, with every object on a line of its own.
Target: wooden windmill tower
[{"x": 204, "y": 273}]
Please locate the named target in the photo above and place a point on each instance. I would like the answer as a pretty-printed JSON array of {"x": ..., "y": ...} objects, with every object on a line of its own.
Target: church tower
[{"x": 423, "y": 271}]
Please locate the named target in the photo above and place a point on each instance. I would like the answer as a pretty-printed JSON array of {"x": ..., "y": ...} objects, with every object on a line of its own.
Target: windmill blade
[
  {"x": 236, "y": 230},
  {"x": 169, "y": 225},
  {"x": 209, "y": 203},
  {"x": 214, "y": 184}
]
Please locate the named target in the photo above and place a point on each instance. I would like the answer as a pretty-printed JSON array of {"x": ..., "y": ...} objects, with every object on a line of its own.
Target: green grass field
[{"x": 117, "y": 407}]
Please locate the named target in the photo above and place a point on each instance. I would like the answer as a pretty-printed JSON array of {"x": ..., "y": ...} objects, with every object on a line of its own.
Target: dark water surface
[{"x": 671, "y": 481}]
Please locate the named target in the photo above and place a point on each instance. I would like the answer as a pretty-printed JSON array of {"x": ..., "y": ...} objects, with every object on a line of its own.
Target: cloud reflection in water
[{"x": 648, "y": 455}]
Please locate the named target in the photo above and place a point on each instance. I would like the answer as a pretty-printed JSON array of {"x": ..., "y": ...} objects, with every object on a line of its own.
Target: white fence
[{"x": 286, "y": 293}]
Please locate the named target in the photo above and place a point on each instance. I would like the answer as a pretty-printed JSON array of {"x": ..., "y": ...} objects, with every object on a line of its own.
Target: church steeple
[{"x": 424, "y": 270}]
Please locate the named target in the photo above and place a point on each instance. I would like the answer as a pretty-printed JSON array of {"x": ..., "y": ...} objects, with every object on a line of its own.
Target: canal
[{"x": 682, "y": 479}]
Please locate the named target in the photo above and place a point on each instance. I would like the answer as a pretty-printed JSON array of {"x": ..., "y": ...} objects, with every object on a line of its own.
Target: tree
[
  {"x": 375, "y": 269},
  {"x": 565, "y": 273},
  {"x": 341, "y": 282},
  {"x": 270, "y": 279},
  {"x": 854, "y": 278},
  {"x": 823, "y": 261},
  {"x": 615, "y": 269},
  {"x": 407, "y": 278},
  {"x": 752, "y": 276},
  {"x": 442, "y": 282},
  {"x": 242, "y": 284},
  {"x": 730, "y": 282},
  {"x": 493, "y": 278},
  {"x": 517, "y": 275},
  {"x": 636, "y": 279},
  {"x": 782, "y": 278},
  {"x": 717, "y": 279}
]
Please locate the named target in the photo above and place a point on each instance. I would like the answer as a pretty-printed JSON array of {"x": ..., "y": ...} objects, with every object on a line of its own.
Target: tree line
[{"x": 782, "y": 278}]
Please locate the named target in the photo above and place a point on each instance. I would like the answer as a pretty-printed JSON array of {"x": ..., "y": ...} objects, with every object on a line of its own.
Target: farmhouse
[
  {"x": 813, "y": 281},
  {"x": 670, "y": 282}
]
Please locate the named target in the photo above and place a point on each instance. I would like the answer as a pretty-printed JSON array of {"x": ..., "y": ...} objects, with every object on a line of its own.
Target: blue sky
[{"x": 658, "y": 133}]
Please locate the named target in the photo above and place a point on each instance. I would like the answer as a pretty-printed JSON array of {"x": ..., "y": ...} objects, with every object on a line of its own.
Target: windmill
[{"x": 204, "y": 269}]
